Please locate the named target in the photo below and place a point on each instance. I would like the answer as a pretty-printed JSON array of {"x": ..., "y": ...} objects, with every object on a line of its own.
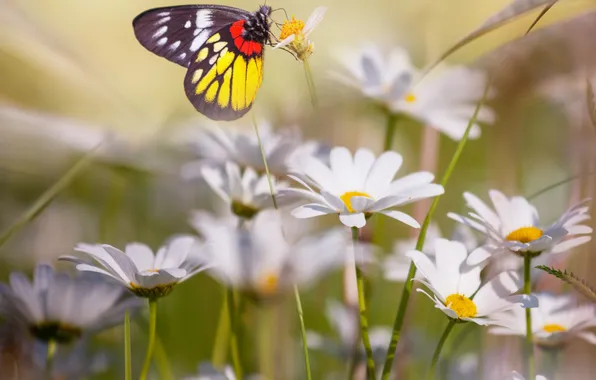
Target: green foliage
[{"x": 578, "y": 284}]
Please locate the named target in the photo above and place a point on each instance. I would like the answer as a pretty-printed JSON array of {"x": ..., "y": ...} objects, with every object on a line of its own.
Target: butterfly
[{"x": 221, "y": 47}]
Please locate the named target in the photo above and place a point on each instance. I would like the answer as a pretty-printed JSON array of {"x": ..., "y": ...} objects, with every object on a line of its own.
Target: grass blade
[{"x": 568, "y": 277}]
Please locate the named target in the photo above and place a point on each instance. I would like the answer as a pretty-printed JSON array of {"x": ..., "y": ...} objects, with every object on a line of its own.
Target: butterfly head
[{"x": 258, "y": 24}]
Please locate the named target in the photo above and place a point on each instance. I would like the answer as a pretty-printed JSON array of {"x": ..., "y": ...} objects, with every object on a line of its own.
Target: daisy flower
[
  {"x": 284, "y": 149},
  {"x": 514, "y": 226},
  {"x": 140, "y": 270},
  {"x": 60, "y": 308},
  {"x": 359, "y": 186},
  {"x": 397, "y": 264},
  {"x": 258, "y": 259},
  {"x": 444, "y": 99},
  {"x": 246, "y": 193},
  {"x": 516, "y": 376},
  {"x": 294, "y": 34},
  {"x": 557, "y": 320},
  {"x": 455, "y": 288}
]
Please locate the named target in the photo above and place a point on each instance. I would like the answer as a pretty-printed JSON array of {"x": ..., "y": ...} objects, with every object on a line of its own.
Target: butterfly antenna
[{"x": 281, "y": 9}]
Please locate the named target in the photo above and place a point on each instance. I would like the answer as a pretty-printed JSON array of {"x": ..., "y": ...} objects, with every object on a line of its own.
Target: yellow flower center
[
  {"x": 525, "y": 234},
  {"x": 290, "y": 27},
  {"x": 347, "y": 198},
  {"x": 410, "y": 97},
  {"x": 462, "y": 305},
  {"x": 268, "y": 283},
  {"x": 553, "y": 327}
]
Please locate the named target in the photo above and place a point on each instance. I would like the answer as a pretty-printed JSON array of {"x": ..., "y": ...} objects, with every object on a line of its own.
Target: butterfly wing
[
  {"x": 177, "y": 33},
  {"x": 225, "y": 74}
]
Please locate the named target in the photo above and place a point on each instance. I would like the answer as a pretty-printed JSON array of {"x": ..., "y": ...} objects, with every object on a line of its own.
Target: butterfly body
[{"x": 221, "y": 47}]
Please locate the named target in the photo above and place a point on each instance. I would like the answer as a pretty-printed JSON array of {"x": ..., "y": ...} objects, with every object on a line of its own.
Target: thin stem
[
  {"x": 390, "y": 129},
  {"x": 530, "y": 368},
  {"x": 311, "y": 84},
  {"x": 407, "y": 290},
  {"x": 222, "y": 336},
  {"x": 437, "y": 353},
  {"x": 51, "y": 353},
  {"x": 161, "y": 358},
  {"x": 231, "y": 306},
  {"x": 264, "y": 157},
  {"x": 127, "y": 349},
  {"x": 302, "y": 332},
  {"x": 370, "y": 362},
  {"x": 151, "y": 342}
]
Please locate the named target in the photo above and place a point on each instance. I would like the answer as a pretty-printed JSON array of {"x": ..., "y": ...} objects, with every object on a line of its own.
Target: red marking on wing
[
  {"x": 239, "y": 42},
  {"x": 237, "y": 28},
  {"x": 248, "y": 47}
]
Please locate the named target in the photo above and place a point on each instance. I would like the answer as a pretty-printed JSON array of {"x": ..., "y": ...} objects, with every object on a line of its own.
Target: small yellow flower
[{"x": 294, "y": 34}]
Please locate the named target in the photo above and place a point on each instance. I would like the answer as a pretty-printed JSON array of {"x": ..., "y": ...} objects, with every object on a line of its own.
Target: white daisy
[
  {"x": 58, "y": 307},
  {"x": 284, "y": 149},
  {"x": 137, "y": 268},
  {"x": 356, "y": 187},
  {"x": 516, "y": 376},
  {"x": 444, "y": 99},
  {"x": 557, "y": 320},
  {"x": 258, "y": 259},
  {"x": 246, "y": 193},
  {"x": 456, "y": 289},
  {"x": 294, "y": 34},
  {"x": 514, "y": 226},
  {"x": 397, "y": 264}
]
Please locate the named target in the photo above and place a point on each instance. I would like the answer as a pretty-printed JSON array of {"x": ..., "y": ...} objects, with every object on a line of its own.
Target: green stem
[
  {"x": 222, "y": 336},
  {"x": 151, "y": 342},
  {"x": 302, "y": 332},
  {"x": 51, "y": 353},
  {"x": 231, "y": 301},
  {"x": 161, "y": 358},
  {"x": 530, "y": 369},
  {"x": 390, "y": 129},
  {"x": 127, "y": 345},
  {"x": 311, "y": 84},
  {"x": 407, "y": 290},
  {"x": 264, "y": 157},
  {"x": 437, "y": 353},
  {"x": 370, "y": 361}
]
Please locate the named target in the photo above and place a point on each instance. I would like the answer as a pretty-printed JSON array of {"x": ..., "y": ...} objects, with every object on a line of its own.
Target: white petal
[
  {"x": 482, "y": 209},
  {"x": 478, "y": 256},
  {"x": 313, "y": 20},
  {"x": 141, "y": 255},
  {"x": 382, "y": 172},
  {"x": 449, "y": 258},
  {"x": 334, "y": 201},
  {"x": 311, "y": 210},
  {"x": 285, "y": 42},
  {"x": 402, "y": 217},
  {"x": 353, "y": 220},
  {"x": 428, "y": 269}
]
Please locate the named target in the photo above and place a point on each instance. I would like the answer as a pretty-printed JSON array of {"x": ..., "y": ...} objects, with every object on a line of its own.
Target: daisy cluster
[{"x": 263, "y": 245}]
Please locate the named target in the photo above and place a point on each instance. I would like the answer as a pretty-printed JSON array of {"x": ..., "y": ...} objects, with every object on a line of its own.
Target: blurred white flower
[
  {"x": 557, "y": 320},
  {"x": 464, "y": 367},
  {"x": 58, "y": 307},
  {"x": 137, "y": 268},
  {"x": 294, "y": 34},
  {"x": 445, "y": 99},
  {"x": 206, "y": 371},
  {"x": 246, "y": 193},
  {"x": 258, "y": 259},
  {"x": 456, "y": 289},
  {"x": 284, "y": 149},
  {"x": 356, "y": 187},
  {"x": 516, "y": 376},
  {"x": 514, "y": 227},
  {"x": 344, "y": 321},
  {"x": 397, "y": 264}
]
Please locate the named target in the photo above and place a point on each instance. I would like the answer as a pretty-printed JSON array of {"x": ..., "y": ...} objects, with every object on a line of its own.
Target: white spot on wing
[
  {"x": 175, "y": 45},
  {"x": 182, "y": 56},
  {"x": 163, "y": 20},
  {"x": 162, "y": 41},
  {"x": 163, "y": 14},
  {"x": 204, "y": 19},
  {"x": 196, "y": 32},
  {"x": 219, "y": 45},
  {"x": 213, "y": 59},
  {"x": 199, "y": 40},
  {"x": 160, "y": 32},
  {"x": 187, "y": 24}
]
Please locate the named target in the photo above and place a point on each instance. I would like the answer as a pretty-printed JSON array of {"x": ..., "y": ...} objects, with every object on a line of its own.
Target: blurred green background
[{"x": 71, "y": 70}]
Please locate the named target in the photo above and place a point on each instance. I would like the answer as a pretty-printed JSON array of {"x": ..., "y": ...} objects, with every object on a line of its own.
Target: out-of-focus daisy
[
  {"x": 455, "y": 287},
  {"x": 557, "y": 320},
  {"x": 60, "y": 308},
  {"x": 206, "y": 371},
  {"x": 284, "y": 149},
  {"x": 137, "y": 268},
  {"x": 344, "y": 321},
  {"x": 294, "y": 34},
  {"x": 516, "y": 376},
  {"x": 73, "y": 363},
  {"x": 444, "y": 99},
  {"x": 246, "y": 193},
  {"x": 359, "y": 186},
  {"x": 259, "y": 260},
  {"x": 397, "y": 264},
  {"x": 514, "y": 226}
]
